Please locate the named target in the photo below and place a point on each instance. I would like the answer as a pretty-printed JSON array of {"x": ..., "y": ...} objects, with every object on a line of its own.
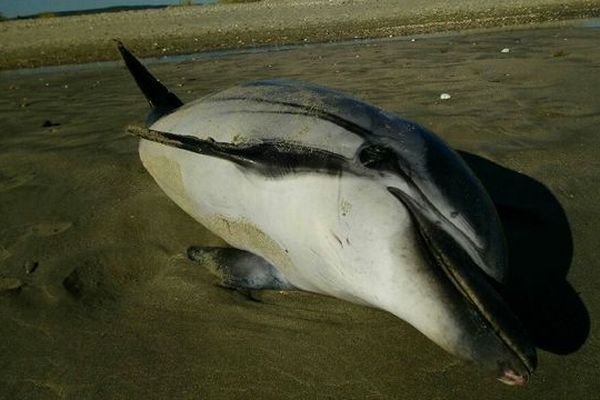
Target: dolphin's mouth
[{"x": 476, "y": 289}]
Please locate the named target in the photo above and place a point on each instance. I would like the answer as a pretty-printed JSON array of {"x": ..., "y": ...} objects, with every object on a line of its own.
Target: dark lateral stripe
[
  {"x": 306, "y": 110},
  {"x": 268, "y": 157}
]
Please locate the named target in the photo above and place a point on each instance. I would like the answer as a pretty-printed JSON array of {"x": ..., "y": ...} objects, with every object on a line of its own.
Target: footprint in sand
[
  {"x": 50, "y": 228},
  {"x": 12, "y": 178},
  {"x": 4, "y": 253},
  {"x": 10, "y": 285},
  {"x": 9, "y": 238}
]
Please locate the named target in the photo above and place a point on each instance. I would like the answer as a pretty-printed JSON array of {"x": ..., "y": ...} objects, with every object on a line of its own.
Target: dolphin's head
[{"x": 464, "y": 246}]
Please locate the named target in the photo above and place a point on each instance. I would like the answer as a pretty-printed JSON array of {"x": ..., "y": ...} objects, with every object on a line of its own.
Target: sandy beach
[
  {"x": 181, "y": 30},
  {"x": 98, "y": 299}
]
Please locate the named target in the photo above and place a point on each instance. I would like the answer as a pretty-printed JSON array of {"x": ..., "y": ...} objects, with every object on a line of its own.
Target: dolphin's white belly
[
  {"x": 347, "y": 238},
  {"x": 325, "y": 234}
]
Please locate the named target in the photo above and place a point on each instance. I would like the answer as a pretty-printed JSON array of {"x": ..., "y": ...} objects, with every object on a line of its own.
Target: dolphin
[{"x": 316, "y": 190}]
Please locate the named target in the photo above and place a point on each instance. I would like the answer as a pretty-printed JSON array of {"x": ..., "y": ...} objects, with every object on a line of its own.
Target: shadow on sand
[{"x": 540, "y": 250}]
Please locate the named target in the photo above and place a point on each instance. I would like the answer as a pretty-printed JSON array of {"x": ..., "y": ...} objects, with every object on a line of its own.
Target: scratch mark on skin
[{"x": 337, "y": 238}]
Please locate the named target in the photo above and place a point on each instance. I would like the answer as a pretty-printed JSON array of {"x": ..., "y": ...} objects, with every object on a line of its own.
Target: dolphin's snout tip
[{"x": 510, "y": 377}]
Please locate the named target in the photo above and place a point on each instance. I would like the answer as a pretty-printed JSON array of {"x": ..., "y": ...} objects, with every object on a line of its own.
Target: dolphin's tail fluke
[{"x": 159, "y": 97}]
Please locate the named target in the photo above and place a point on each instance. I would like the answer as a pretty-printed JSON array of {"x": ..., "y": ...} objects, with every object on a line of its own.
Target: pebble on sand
[{"x": 30, "y": 267}]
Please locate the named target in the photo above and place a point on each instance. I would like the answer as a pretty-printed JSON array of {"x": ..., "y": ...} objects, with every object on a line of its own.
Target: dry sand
[
  {"x": 98, "y": 301},
  {"x": 177, "y": 30}
]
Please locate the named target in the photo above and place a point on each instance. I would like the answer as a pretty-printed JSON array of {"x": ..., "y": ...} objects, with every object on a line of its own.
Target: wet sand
[
  {"x": 184, "y": 30},
  {"x": 97, "y": 299}
]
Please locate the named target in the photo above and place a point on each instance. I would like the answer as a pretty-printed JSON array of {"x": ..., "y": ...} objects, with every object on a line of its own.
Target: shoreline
[
  {"x": 215, "y": 54},
  {"x": 194, "y": 29}
]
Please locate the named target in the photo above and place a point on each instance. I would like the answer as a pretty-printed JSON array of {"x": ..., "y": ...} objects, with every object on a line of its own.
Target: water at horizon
[{"x": 23, "y": 8}]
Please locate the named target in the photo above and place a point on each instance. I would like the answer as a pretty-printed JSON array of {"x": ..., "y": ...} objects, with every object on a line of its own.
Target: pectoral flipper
[{"x": 238, "y": 269}]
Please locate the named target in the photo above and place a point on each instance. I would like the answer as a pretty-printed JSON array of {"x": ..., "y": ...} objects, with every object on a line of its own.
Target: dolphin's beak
[{"x": 513, "y": 357}]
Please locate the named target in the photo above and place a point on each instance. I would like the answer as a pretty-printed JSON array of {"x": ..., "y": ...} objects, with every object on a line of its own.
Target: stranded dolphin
[{"x": 322, "y": 192}]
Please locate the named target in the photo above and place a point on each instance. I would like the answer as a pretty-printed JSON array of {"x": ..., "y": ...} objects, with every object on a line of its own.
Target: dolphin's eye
[{"x": 378, "y": 157}]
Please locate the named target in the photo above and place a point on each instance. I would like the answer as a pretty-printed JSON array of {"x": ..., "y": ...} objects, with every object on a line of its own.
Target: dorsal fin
[{"x": 159, "y": 97}]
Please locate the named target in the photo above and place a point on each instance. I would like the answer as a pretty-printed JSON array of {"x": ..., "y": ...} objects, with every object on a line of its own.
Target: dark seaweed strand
[{"x": 267, "y": 157}]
